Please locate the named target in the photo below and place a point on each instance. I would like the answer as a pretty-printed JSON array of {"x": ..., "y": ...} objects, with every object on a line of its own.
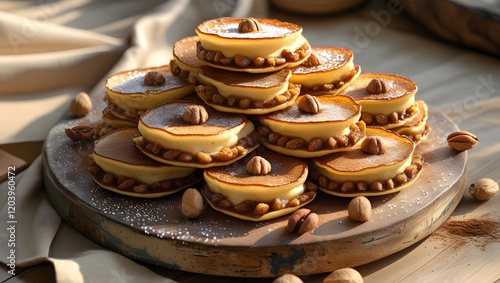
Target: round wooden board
[{"x": 155, "y": 230}]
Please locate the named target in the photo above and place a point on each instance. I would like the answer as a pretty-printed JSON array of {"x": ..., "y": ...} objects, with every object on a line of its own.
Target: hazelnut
[
  {"x": 313, "y": 60},
  {"x": 483, "y": 189},
  {"x": 462, "y": 140},
  {"x": 258, "y": 166},
  {"x": 302, "y": 221},
  {"x": 81, "y": 104},
  {"x": 195, "y": 114},
  {"x": 249, "y": 25},
  {"x": 192, "y": 203},
  {"x": 310, "y": 104},
  {"x": 288, "y": 278},
  {"x": 154, "y": 79},
  {"x": 360, "y": 209},
  {"x": 376, "y": 86},
  {"x": 373, "y": 145},
  {"x": 344, "y": 275}
]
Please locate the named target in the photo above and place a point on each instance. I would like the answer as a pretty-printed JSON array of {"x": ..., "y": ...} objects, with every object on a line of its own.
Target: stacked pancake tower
[{"x": 248, "y": 109}]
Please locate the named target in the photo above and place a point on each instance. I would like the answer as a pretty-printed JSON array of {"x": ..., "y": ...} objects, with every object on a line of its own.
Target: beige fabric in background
[{"x": 50, "y": 50}]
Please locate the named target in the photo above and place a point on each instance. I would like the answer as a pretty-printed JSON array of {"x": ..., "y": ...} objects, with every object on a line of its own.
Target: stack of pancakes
[{"x": 263, "y": 118}]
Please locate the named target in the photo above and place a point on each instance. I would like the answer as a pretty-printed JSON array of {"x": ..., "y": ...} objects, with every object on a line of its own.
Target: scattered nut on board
[
  {"x": 192, "y": 203},
  {"x": 483, "y": 189},
  {"x": 360, "y": 209},
  {"x": 81, "y": 104},
  {"x": 344, "y": 275},
  {"x": 302, "y": 221},
  {"x": 288, "y": 278},
  {"x": 462, "y": 140}
]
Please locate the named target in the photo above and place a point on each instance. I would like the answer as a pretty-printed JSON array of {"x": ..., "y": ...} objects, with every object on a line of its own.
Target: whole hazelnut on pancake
[
  {"x": 384, "y": 164},
  {"x": 246, "y": 93},
  {"x": 251, "y": 45},
  {"x": 328, "y": 70},
  {"x": 273, "y": 186},
  {"x": 130, "y": 93},
  {"x": 119, "y": 166},
  {"x": 313, "y": 126},
  {"x": 387, "y": 100},
  {"x": 192, "y": 134}
]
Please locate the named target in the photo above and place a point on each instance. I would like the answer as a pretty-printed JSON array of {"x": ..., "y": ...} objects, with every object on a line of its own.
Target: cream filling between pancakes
[
  {"x": 386, "y": 106},
  {"x": 308, "y": 131},
  {"x": 253, "y": 47},
  {"x": 237, "y": 193},
  {"x": 255, "y": 93},
  {"x": 210, "y": 144},
  {"x": 143, "y": 174},
  {"x": 322, "y": 77},
  {"x": 366, "y": 175}
]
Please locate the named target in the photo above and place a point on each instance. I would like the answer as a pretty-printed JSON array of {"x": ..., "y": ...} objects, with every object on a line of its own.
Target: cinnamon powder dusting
[{"x": 473, "y": 228}]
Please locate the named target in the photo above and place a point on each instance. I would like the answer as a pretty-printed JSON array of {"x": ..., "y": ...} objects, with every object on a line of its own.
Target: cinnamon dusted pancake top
[
  {"x": 228, "y": 28},
  {"x": 248, "y": 80},
  {"x": 285, "y": 170},
  {"x": 185, "y": 51},
  {"x": 330, "y": 58},
  {"x": 397, "y": 86},
  {"x": 335, "y": 108},
  {"x": 130, "y": 82},
  {"x": 168, "y": 117},
  {"x": 398, "y": 148},
  {"x": 119, "y": 145}
]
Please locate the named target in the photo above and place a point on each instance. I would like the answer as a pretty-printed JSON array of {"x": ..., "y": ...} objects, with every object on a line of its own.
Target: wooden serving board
[{"x": 155, "y": 230}]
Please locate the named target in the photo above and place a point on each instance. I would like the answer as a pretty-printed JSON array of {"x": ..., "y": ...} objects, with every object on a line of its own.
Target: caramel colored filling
[
  {"x": 211, "y": 95},
  {"x": 392, "y": 120},
  {"x": 131, "y": 186},
  {"x": 255, "y": 59},
  {"x": 350, "y": 187},
  {"x": 225, "y": 154},
  {"x": 333, "y": 84},
  {"x": 259, "y": 210}
]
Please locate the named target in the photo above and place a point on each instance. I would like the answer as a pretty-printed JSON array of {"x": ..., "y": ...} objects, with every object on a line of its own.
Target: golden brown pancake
[
  {"x": 232, "y": 190},
  {"x": 185, "y": 63},
  {"x": 335, "y": 127},
  {"x": 275, "y": 45},
  {"x": 354, "y": 172},
  {"x": 122, "y": 168},
  {"x": 246, "y": 93},
  {"x": 327, "y": 71},
  {"x": 167, "y": 138},
  {"x": 389, "y": 109},
  {"x": 128, "y": 96}
]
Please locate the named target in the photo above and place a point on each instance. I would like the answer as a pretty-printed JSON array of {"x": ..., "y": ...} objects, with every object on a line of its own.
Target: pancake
[
  {"x": 416, "y": 129},
  {"x": 390, "y": 108},
  {"x": 246, "y": 93},
  {"x": 294, "y": 132},
  {"x": 128, "y": 96},
  {"x": 354, "y": 172},
  {"x": 185, "y": 62},
  {"x": 234, "y": 191},
  {"x": 272, "y": 46},
  {"x": 222, "y": 139},
  {"x": 327, "y": 71},
  {"x": 122, "y": 168}
]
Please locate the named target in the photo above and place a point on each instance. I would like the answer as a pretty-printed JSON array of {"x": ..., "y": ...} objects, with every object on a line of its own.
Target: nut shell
[
  {"x": 81, "y": 104},
  {"x": 373, "y": 145},
  {"x": 310, "y": 104},
  {"x": 376, "y": 86},
  {"x": 258, "y": 165},
  {"x": 288, "y": 278},
  {"x": 344, "y": 275},
  {"x": 192, "y": 203},
  {"x": 483, "y": 189},
  {"x": 360, "y": 209},
  {"x": 462, "y": 140},
  {"x": 195, "y": 114}
]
